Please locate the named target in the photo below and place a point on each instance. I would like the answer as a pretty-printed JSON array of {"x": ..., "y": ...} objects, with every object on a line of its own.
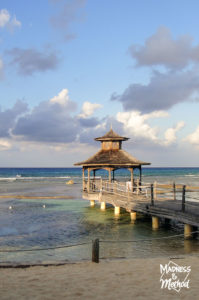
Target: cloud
[
  {"x": 8, "y": 118},
  {"x": 90, "y": 122},
  {"x": 67, "y": 12},
  {"x": 193, "y": 138},
  {"x": 170, "y": 133},
  {"x": 56, "y": 122},
  {"x": 4, "y": 17},
  {"x": 162, "y": 49},
  {"x": 5, "y": 145},
  {"x": 88, "y": 109},
  {"x": 30, "y": 61},
  {"x": 7, "y": 21},
  {"x": 162, "y": 92},
  {"x": 50, "y": 121},
  {"x": 62, "y": 98},
  {"x": 136, "y": 124},
  {"x": 53, "y": 121}
]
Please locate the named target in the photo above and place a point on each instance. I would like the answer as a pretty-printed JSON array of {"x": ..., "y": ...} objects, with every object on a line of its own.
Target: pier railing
[{"x": 181, "y": 197}]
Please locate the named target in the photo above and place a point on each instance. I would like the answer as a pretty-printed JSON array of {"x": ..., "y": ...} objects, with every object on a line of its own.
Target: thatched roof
[
  {"x": 111, "y": 136},
  {"x": 112, "y": 158}
]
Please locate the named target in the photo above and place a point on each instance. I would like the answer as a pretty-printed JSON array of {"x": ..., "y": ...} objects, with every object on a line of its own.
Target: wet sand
[{"x": 117, "y": 279}]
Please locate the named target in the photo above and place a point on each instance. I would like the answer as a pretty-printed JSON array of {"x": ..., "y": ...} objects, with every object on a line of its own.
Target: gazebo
[{"x": 111, "y": 157}]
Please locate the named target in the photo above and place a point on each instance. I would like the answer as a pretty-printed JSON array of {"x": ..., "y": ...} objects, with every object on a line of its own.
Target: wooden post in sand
[{"x": 95, "y": 251}]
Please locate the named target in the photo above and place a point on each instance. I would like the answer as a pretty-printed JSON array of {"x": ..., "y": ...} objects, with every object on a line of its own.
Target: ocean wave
[
  {"x": 7, "y": 178},
  {"x": 33, "y": 178}
]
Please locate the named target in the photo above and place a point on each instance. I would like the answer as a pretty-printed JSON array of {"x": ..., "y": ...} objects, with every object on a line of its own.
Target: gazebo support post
[
  {"x": 83, "y": 179},
  {"x": 88, "y": 183},
  {"x": 140, "y": 183},
  {"x": 109, "y": 172},
  {"x": 113, "y": 175}
]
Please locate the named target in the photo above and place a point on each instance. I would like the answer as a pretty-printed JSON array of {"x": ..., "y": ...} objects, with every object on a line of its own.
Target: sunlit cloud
[{"x": 88, "y": 109}]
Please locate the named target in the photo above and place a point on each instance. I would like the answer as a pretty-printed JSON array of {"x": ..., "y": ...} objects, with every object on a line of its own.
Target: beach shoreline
[{"x": 136, "y": 278}]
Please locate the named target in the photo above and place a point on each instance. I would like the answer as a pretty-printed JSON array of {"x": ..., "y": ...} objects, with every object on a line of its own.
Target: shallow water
[{"x": 28, "y": 224}]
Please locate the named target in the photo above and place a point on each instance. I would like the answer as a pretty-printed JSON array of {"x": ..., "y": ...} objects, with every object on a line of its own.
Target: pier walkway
[{"x": 169, "y": 201}]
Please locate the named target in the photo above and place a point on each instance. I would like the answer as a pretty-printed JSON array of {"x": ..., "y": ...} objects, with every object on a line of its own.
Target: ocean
[{"x": 52, "y": 224}]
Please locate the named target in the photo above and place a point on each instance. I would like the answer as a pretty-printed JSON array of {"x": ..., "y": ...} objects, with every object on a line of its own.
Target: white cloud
[
  {"x": 7, "y": 21},
  {"x": 4, "y": 17},
  {"x": 193, "y": 138},
  {"x": 62, "y": 98},
  {"x": 170, "y": 133},
  {"x": 135, "y": 123},
  {"x": 88, "y": 109},
  {"x": 4, "y": 145}
]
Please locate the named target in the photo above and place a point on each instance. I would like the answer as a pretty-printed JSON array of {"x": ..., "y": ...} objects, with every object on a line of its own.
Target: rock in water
[{"x": 70, "y": 182}]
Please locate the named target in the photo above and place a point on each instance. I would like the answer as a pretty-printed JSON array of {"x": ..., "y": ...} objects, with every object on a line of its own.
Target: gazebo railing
[
  {"x": 177, "y": 196},
  {"x": 123, "y": 188}
]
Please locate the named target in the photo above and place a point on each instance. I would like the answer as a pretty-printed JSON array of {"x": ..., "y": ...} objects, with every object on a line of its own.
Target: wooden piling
[
  {"x": 103, "y": 206},
  {"x": 155, "y": 223},
  {"x": 117, "y": 211},
  {"x": 188, "y": 231},
  {"x": 133, "y": 216},
  {"x": 92, "y": 203},
  {"x": 95, "y": 251}
]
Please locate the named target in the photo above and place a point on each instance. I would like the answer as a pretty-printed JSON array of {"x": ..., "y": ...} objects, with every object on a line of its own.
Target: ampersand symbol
[{"x": 174, "y": 276}]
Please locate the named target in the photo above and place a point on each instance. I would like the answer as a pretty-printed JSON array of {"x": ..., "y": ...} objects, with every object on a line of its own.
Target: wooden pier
[{"x": 169, "y": 201}]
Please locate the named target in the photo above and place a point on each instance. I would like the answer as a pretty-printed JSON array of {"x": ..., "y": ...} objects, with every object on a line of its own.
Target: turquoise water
[{"x": 43, "y": 223}]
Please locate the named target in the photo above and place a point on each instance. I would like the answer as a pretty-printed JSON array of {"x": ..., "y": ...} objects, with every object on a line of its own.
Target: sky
[{"x": 71, "y": 69}]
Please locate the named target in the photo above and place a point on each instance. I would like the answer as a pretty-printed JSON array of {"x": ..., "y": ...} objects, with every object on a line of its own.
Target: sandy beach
[{"x": 118, "y": 279}]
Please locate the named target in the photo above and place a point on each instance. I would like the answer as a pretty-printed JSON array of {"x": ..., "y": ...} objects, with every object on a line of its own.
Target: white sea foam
[
  {"x": 32, "y": 178},
  {"x": 7, "y": 178}
]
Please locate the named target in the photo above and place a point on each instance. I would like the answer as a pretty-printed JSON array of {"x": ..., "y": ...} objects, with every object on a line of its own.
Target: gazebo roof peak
[
  {"x": 111, "y": 154},
  {"x": 110, "y": 136}
]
